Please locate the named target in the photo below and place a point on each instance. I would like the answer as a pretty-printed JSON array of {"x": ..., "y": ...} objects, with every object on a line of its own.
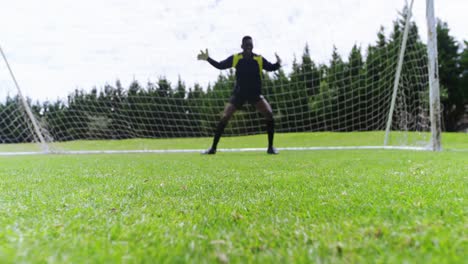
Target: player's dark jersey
[{"x": 248, "y": 72}]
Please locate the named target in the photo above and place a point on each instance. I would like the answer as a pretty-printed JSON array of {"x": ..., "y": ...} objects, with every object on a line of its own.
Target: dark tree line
[{"x": 346, "y": 94}]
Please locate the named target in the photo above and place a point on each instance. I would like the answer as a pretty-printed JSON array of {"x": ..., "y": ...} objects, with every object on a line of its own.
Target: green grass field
[{"x": 349, "y": 206}]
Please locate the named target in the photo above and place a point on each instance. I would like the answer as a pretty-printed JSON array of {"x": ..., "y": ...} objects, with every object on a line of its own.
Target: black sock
[
  {"x": 270, "y": 124},
  {"x": 219, "y": 131}
]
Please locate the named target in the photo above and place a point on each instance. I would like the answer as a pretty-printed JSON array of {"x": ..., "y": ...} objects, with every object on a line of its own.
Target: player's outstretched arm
[
  {"x": 222, "y": 65},
  {"x": 268, "y": 66}
]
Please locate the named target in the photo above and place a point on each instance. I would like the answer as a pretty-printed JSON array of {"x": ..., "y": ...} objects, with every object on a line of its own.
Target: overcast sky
[{"x": 56, "y": 46}]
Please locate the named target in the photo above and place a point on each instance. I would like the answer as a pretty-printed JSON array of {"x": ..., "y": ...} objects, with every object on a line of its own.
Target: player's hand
[
  {"x": 278, "y": 59},
  {"x": 203, "y": 55}
]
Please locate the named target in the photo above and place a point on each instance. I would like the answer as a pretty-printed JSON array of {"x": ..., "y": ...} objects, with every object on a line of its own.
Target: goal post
[
  {"x": 23, "y": 109},
  {"x": 434, "y": 93},
  {"x": 385, "y": 93},
  {"x": 434, "y": 96}
]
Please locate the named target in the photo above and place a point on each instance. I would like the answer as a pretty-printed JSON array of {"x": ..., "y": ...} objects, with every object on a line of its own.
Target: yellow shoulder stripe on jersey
[
  {"x": 236, "y": 59},
  {"x": 259, "y": 60}
]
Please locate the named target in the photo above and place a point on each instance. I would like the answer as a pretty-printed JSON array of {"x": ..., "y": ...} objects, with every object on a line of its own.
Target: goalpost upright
[
  {"x": 433, "y": 67},
  {"x": 36, "y": 128}
]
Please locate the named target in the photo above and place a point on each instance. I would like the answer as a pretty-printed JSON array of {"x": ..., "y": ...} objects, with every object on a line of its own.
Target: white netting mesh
[{"x": 15, "y": 126}]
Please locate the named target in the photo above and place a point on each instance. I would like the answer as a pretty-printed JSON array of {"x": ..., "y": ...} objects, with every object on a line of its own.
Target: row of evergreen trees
[{"x": 344, "y": 95}]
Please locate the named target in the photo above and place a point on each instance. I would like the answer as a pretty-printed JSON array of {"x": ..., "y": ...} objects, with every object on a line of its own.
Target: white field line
[{"x": 163, "y": 151}]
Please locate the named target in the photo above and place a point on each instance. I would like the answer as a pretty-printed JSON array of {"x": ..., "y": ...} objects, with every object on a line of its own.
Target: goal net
[
  {"x": 20, "y": 131},
  {"x": 379, "y": 90}
]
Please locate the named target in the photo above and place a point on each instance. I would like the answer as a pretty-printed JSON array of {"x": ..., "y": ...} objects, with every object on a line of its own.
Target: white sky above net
[{"x": 56, "y": 46}]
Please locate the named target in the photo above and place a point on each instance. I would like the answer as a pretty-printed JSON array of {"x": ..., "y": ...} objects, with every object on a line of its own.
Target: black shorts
[{"x": 239, "y": 100}]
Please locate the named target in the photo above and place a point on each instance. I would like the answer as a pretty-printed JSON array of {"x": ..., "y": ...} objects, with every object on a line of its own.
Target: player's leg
[
  {"x": 264, "y": 107},
  {"x": 229, "y": 110}
]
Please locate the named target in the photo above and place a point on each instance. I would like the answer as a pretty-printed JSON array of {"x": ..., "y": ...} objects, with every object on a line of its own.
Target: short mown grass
[{"x": 349, "y": 206}]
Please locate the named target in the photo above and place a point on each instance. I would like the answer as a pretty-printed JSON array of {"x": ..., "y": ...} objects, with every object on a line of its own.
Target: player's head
[{"x": 247, "y": 44}]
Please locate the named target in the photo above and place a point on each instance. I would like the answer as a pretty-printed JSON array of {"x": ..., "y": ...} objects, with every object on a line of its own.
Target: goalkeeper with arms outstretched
[{"x": 248, "y": 86}]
